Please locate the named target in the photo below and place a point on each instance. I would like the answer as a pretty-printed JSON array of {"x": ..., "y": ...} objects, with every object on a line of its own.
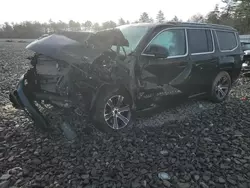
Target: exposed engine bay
[
  {"x": 60, "y": 82},
  {"x": 53, "y": 75}
]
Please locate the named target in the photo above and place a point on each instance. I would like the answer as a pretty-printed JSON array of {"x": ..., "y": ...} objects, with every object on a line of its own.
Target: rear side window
[
  {"x": 227, "y": 40},
  {"x": 200, "y": 40}
]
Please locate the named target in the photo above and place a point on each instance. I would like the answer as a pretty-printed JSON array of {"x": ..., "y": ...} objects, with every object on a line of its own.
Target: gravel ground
[{"x": 198, "y": 144}]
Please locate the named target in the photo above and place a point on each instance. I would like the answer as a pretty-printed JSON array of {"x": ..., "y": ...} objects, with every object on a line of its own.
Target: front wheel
[
  {"x": 113, "y": 111},
  {"x": 221, "y": 87}
]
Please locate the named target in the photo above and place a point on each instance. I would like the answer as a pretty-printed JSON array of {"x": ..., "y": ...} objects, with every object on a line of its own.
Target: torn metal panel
[
  {"x": 20, "y": 98},
  {"x": 132, "y": 84},
  {"x": 182, "y": 77},
  {"x": 108, "y": 38},
  {"x": 84, "y": 48},
  {"x": 62, "y": 48}
]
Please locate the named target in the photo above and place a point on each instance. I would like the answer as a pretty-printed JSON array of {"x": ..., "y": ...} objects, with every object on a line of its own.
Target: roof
[{"x": 187, "y": 24}]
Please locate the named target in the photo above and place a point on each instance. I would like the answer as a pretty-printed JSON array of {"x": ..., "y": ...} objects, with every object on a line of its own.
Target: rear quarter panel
[{"x": 230, "y": 61}]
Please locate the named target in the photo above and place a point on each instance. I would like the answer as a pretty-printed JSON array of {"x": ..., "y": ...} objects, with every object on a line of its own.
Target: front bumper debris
[{"x": 20, "y": 100}]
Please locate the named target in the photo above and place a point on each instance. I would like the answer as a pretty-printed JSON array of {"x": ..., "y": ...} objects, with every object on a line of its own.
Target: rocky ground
[{"x": 196, "y": 144}]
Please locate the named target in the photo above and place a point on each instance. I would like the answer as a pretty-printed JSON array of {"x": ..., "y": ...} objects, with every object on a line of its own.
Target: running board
[{"x": 197, "y": 95}]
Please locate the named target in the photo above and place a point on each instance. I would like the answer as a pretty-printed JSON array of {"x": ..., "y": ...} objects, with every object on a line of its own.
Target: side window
[
  {"x": 174, "y": 40},
  {"x": 200, "y": 40},
  {"x": 227, "y": 40}
]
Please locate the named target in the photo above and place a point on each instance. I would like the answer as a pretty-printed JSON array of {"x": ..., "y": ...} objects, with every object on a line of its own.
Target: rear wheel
[
  {"x": 113, "y": 111},
  {"x": 221, "y": 87}
]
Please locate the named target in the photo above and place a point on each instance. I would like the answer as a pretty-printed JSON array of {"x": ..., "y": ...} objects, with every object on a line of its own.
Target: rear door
[
  {"x": 230, "y": 52},
  {"x": 203, "y": 58}
]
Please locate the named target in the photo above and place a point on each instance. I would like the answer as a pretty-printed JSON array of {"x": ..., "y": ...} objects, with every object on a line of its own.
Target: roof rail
[{"x": 198, "y": 24}]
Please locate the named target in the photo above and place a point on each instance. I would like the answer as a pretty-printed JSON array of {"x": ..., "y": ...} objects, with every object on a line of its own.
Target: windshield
[
  {"x": 133, "y": 33},
  {"x": 246, "y": 46}
]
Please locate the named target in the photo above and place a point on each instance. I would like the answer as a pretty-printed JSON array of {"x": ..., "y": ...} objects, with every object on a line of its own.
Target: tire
[
  {"x": 220, "y": 87},
  {"x": 106, "y": 103}
]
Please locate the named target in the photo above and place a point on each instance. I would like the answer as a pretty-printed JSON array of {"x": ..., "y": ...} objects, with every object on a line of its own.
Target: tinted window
[
  {"x": 174, "y": 40},
  {"x": 200, "y": 40},
  {"x": 133, "y": 34},
  {"x": 227, "y": 40}
]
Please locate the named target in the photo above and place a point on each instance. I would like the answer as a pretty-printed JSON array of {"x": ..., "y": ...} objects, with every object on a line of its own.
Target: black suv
[{"x": 117, "y": 72}]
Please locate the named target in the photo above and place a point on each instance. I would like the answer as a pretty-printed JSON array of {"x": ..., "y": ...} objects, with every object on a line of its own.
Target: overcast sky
[{"x": 99, "y": 10}]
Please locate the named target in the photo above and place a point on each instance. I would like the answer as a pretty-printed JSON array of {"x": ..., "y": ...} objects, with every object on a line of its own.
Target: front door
[{"x": 166, "y": 76}]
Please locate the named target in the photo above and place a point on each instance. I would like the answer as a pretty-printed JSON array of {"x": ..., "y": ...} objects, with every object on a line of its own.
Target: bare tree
[
  {"x": 144, "y": 18},
  {"x": 87, "y": 25},
  {"x": 108, "y": 25},
  {"x": 214, "y": 16},
  {"x": 96, "y": 27},
  {"x": 176, "y": 19},
  {"x": 198, "y": 18},
  {"x": 160, "y": 17},
  {"x": 121, "y": 21}
]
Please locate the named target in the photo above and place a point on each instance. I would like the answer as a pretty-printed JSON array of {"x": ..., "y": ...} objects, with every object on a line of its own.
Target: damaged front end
[
  {"x": 21, "y": 98},
  {"x": 71, "y": 68}
]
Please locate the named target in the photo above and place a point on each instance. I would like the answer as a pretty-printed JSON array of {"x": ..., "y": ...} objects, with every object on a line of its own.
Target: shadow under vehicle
[{"x": 117, "y": 72}]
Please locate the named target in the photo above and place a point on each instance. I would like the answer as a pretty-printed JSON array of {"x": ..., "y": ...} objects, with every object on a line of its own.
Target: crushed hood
[{"x": 77, "y": 47}]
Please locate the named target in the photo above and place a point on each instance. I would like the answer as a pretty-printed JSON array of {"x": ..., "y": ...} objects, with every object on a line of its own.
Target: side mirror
[{"x": 157, "y": 50}]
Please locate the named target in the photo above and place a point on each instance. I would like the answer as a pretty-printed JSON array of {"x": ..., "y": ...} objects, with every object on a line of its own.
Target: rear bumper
[{"x": 21, "y": 100}]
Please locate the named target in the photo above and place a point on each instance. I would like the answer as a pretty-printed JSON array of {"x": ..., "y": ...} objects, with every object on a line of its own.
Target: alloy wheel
[
  {"x": 222, "y": 87},
  {"x": 117, "y": 112}
]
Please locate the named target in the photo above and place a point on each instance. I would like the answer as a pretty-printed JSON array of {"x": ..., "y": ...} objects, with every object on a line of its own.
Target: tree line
[
  {"x": 235, "y": 13},
  {"x": 28, "y": 29}
]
